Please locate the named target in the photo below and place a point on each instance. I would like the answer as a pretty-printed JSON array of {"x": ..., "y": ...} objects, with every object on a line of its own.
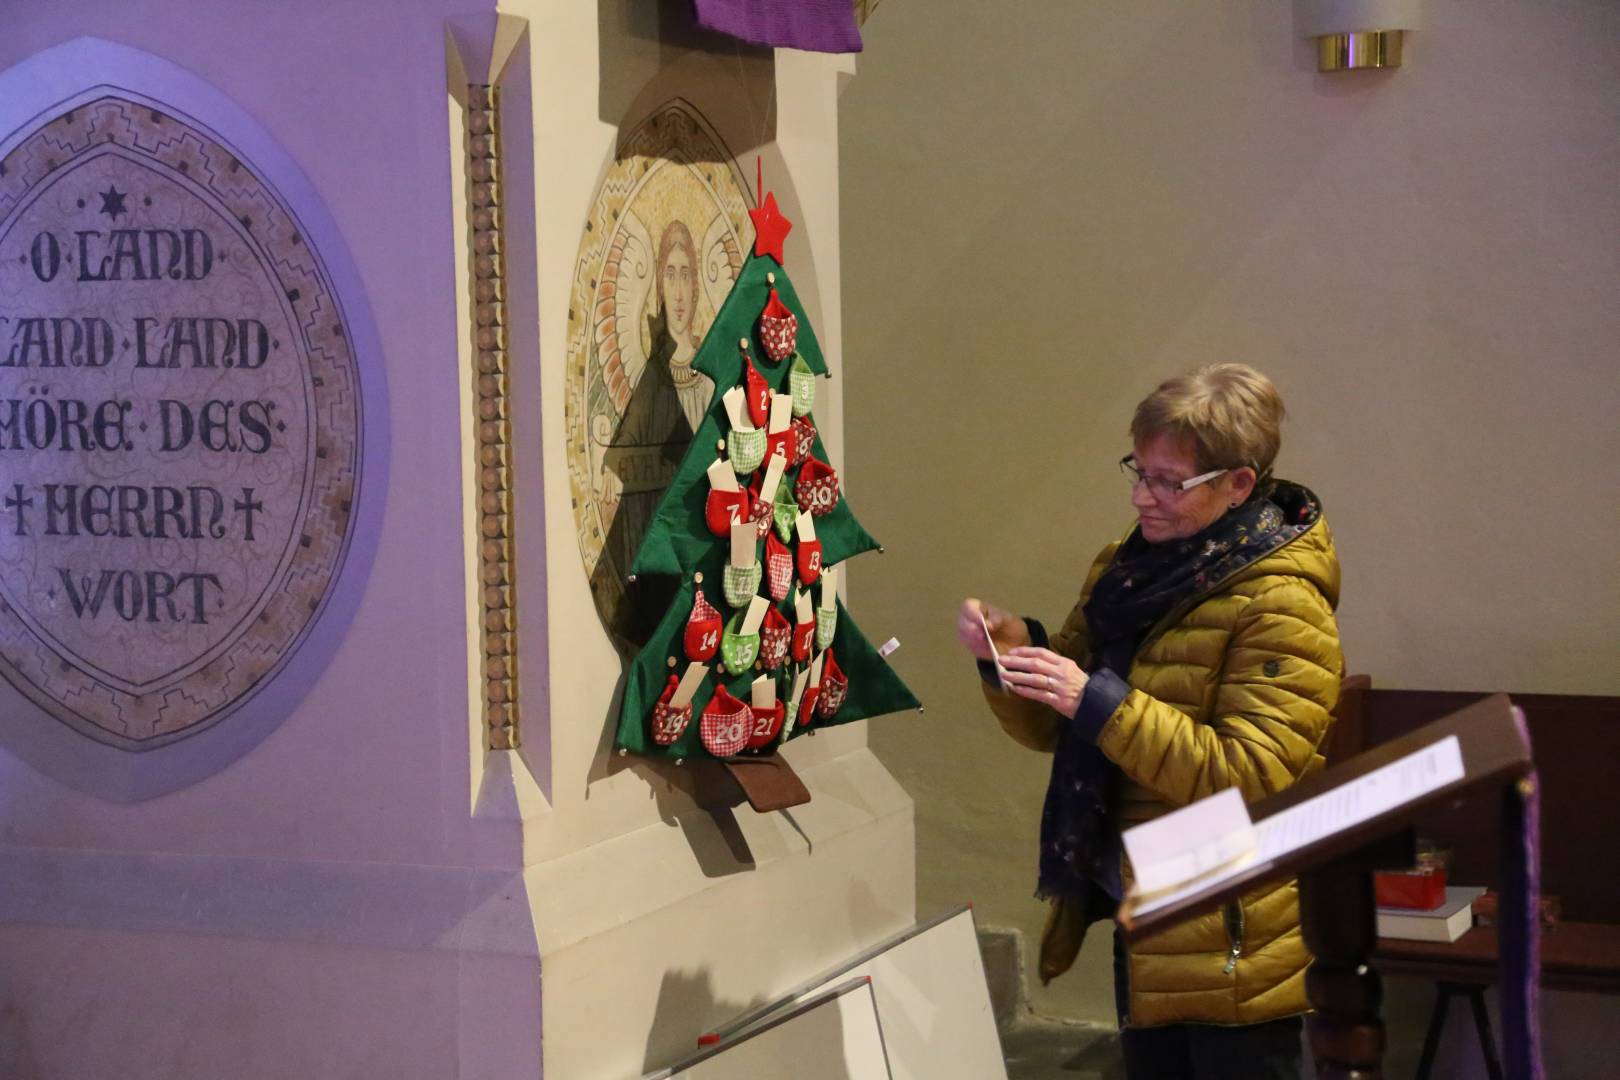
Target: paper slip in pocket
[
  {"x": 803, "y": 640},
  {"x": 795, "y": 699},
  {"x": 736, "y": 401},
  {"x": 722, "y": 476},
  {"x": 773, "y": 478},
  {"x": 691, "y": 679},
  {"x": 781, "y": 413},
  {"x": 808, "y": 555},
  {"x": 744, "y": 544},
  {"x": 763, "y": 692},
  {"x": 829, "y": 588},
  {"x": 756, "y": 615},
  {"x": 1184, "y": 845}
]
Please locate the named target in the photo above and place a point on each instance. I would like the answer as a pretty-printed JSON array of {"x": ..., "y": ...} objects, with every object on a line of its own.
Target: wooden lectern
[{"x": 1336, "y": 887}]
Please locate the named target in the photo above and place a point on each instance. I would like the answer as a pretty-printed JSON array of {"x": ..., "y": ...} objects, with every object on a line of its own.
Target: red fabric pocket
[
  {"x": 804, "y": 438},
  {"x": 834, "y": 688},
  {"x": 809, "y": 556},
  {"x": 669, "y": 723},
  {"x": 759, "y": 511},
  {"x": 767, "y": 726},
  {"x": 804, "y": 638},
  {"x": 817, "y": 488},
  {"x": 782, "y": 442},
  {"x": 778, "y": 568},
  {"x": 807, "y": 707},
  {"x": 775, "y": 635},
  {"x": 723, "y": 508},
  {"x": 778, "y": 328},
  {"x": 759, "y": 393},
  {"x": 702, "y": 638},
  {"x": 726, "y": 724}
]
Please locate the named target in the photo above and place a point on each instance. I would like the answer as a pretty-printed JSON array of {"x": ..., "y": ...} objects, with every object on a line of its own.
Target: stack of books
[{"x": 1448, "y": 922}]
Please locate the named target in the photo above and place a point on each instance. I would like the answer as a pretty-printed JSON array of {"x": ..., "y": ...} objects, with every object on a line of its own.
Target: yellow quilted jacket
[{"x": 1233, "y": 688}]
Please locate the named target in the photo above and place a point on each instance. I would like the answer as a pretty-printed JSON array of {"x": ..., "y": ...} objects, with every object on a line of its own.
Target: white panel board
[
  {"x": 931, "y": 996},
  {"x": 831, "y": 1034}
]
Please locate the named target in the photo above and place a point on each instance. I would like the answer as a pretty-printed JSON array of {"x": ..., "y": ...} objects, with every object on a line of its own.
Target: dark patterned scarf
[{"x": 1143, "y": 584}]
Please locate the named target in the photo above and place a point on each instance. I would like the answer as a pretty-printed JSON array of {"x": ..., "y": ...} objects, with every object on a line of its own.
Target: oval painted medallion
[{"x": 180, "y": 425}]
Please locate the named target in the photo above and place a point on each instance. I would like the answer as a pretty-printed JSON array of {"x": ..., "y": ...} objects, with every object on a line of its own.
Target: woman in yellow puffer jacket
[{"x": 1202, "y": 654}]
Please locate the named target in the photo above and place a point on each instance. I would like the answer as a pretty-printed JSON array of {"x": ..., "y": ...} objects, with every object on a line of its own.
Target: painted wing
[
  {"x": 621, "y": 298},
  {"x": 721, "y": 259}
]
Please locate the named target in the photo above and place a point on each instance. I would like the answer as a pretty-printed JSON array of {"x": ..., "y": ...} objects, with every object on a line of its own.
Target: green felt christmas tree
[{"x": 755, "y": 647}]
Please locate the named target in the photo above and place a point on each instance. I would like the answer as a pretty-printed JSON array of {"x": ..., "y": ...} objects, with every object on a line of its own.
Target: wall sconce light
[{"x": 1355, "y": 34}]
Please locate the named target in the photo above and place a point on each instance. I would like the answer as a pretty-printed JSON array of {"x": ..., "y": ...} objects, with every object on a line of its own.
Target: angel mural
[
  {"x": 673, "y": 226},
  {"x": 669, "y": 398}
]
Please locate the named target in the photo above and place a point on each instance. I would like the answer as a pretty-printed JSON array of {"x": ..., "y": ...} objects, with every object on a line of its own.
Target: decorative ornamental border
[
  {"x": 492, "y": 417},
  {"x": 78, "y": 73}
]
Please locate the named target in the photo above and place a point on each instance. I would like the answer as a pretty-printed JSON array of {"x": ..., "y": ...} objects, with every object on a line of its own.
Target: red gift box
[{"x": 1415, "y": 892}]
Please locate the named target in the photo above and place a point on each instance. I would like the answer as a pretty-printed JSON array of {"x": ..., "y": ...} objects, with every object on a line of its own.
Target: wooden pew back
[{"x": 1576, "y": 741}]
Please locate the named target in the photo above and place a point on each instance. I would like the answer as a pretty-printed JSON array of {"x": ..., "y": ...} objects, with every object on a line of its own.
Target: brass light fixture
[
  {"x": 1353, "y": 35},
  {"x": 1359, "y": 49}
]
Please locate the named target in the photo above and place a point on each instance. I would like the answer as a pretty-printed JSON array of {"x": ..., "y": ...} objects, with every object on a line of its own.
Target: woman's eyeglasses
[{"x": 1162, "y": 487}]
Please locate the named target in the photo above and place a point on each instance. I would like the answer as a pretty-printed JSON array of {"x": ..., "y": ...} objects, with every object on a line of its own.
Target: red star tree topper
[{"x": 770, "y": 227}]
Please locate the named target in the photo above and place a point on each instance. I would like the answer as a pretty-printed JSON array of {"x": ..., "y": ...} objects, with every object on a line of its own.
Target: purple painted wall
[
  {"x": 357, "y": 98},
  {"x": 326, "y": 905}
]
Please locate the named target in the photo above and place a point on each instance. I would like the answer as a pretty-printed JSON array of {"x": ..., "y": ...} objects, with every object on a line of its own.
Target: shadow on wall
[
  {"x": 816, "y": 1042},
  {"x": 632, "y": 32},
  {"x": 717, "y": 843},
  {"x": 687, "y": 1007},
  {"x": 713, "y": 834}
]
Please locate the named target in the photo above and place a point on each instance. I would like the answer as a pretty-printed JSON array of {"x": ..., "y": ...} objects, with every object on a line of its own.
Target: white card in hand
[{"x": 995, "y": 657}]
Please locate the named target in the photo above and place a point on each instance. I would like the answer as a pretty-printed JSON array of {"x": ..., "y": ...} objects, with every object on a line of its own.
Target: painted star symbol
[
  {"x": 770, "y": 228},
  {"x": 112, "y": 202}
]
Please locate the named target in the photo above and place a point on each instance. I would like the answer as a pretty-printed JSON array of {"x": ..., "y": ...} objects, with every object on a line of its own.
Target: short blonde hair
[{"x": 1230, "y": 413}]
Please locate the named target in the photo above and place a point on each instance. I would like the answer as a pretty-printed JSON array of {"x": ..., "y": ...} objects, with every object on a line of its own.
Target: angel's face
[{"x": 680, "y": 290}]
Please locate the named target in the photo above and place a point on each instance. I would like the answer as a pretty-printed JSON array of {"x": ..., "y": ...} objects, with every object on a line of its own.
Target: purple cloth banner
[
  {"x": 814, "y": 25},
  {"x": 1519, "y": 939}
]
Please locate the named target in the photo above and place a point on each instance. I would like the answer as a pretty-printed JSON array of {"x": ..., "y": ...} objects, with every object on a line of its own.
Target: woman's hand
[
  {"x": 1044, "y": 676},
  {"x": 1008, "y": 629}
]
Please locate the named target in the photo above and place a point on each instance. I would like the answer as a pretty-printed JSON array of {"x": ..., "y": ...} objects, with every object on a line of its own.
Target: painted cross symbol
[
  {"x": 248, "y": 505},
  {"x": 18, "y": 501}
]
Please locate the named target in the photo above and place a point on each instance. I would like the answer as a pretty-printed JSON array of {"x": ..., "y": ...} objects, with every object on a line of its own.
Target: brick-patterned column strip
[{"x": 492, "y": 415}]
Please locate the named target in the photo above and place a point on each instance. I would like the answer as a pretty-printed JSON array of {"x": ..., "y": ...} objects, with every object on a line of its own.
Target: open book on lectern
[{"x": 1214, "y": 849}]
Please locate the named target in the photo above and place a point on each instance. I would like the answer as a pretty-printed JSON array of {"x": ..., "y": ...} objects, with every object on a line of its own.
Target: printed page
[{"x": 1350, "y": 804}]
